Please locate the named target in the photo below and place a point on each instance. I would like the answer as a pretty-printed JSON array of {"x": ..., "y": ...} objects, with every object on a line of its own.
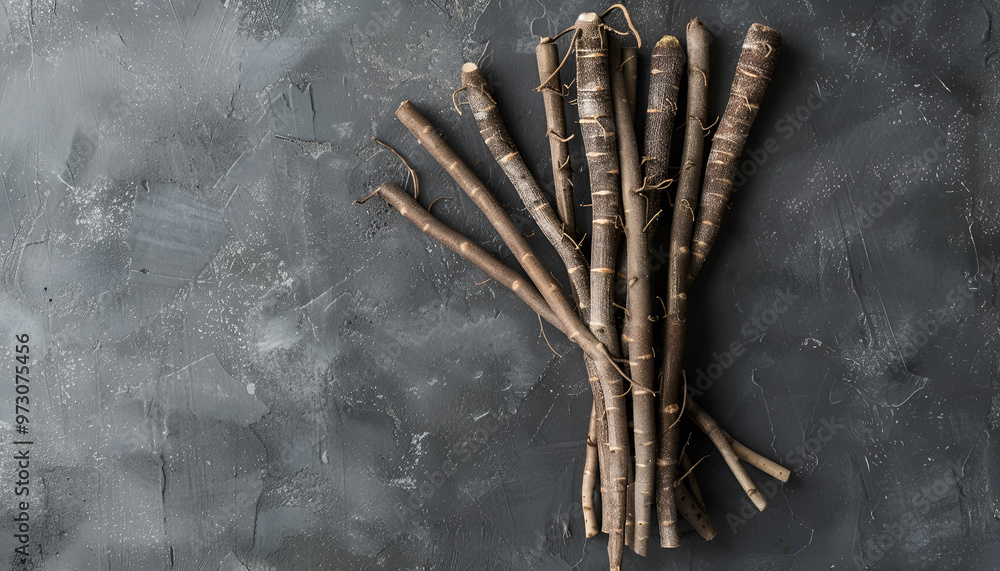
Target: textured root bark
[
  {"x": 753, "y": 73},
  {"x": 666, "y": 67},
  {"x": 680, "y": 238},
  {"x": 547, "y": 57},
  {"x": 505, "y": 152},
  {"x": 638, "y": 325},
  {"x": 600, "y": 142}
]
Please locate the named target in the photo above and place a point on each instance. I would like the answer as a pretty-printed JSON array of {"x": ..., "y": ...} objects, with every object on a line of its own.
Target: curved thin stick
[
  {"x": 413, "y": 173},
  {"x": 628, "y": 19}
]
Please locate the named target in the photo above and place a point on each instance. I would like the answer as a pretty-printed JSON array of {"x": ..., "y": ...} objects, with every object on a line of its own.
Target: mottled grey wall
[{"x": 233, "y": 367}]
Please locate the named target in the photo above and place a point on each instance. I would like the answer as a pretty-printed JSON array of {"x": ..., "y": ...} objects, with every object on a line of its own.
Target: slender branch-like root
[
  {"x": 689, "y": 472},
  {"x": 596, "y": 117},
  {"x": 638, "y": 327},
  {"x": 680, "y": 236},
  {"x": 666, "y": 67},
  {"x": 505, "y": 152},
  {"x": 456, "y": 242},
  {"x": 753, "y": 73},
  {"x": 547, "y": 56},
  {"x": 718, "y": 438}
]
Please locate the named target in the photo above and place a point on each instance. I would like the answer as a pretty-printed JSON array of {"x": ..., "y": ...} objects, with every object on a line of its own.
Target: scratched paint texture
[{"x": 236, "y": 368}]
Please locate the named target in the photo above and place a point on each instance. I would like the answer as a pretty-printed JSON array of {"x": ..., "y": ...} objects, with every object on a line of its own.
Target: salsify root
[
  {"x": 597, "y": 125},
  {"x": 505, "y": 152},
  {"x": 680, "y": 238},
  {"x": 666, "y": 66},
  {"x": 766, "y": 465},
  {"x": 753, "y": 73},
  {"x": 547, "y": 57},
  {"x": 638, "y": 336}
]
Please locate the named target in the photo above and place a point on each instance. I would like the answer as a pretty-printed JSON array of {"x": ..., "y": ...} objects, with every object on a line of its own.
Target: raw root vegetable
[
  {"x": 680, "y": 238},
  {"x": 590, "y": 473},
  {"x": 769, "y": 467},
  {"x": 597, "y": 125},
  {"x": 626, "y": 188},
  {"x": 666, "y": 66},
  {"x": 506, "y": 154},
  {"x": 638, "y": 336},
  {"x": 753, "y": 73},
  {"x": 547, "y": 56}
]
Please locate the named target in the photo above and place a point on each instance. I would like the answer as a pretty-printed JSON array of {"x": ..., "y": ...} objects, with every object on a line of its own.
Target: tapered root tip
[{"x": 469, "y": 67}]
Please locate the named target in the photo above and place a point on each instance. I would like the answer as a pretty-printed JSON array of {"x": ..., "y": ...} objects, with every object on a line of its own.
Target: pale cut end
[
  {"x": 589, "y": 17},
  {"x": 761, "y": 33},
  {"x": 469, "y": 67},
  {"x": 758, "y": 499},
  {"x": 668, "y": 42},
  {"x": 759, "y": 28}
]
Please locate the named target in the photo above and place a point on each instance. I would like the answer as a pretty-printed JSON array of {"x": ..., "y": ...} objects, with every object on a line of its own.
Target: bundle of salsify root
[{"x": 634, "y": 450}]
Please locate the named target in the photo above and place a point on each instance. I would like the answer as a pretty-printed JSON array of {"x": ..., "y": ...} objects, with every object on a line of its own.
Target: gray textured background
[{"x": 234, "y": 367}]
